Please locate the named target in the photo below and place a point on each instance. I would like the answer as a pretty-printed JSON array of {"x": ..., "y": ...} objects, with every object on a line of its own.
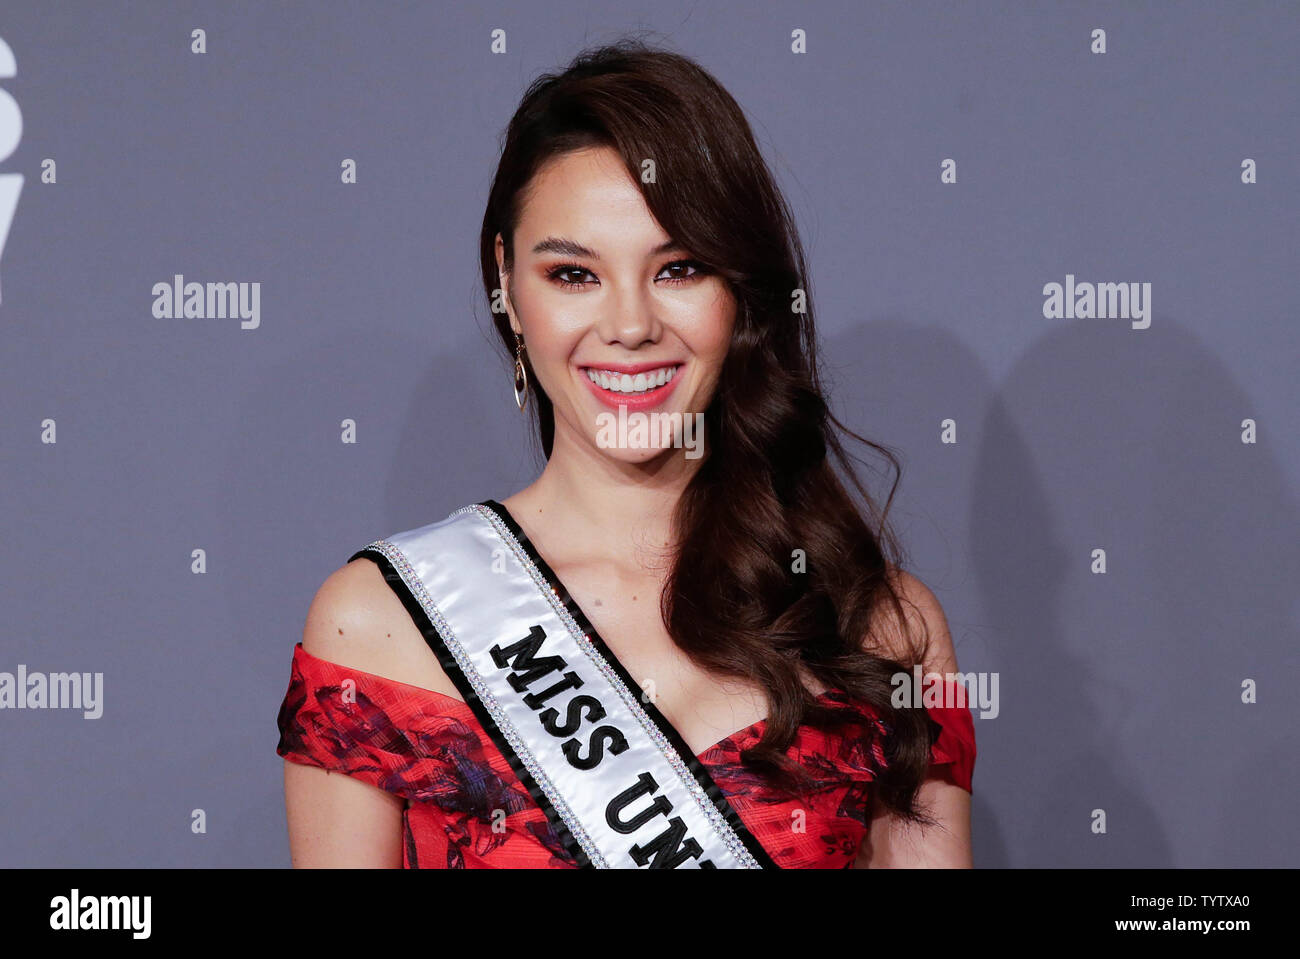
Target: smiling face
[{"x": 611, "y": 311}]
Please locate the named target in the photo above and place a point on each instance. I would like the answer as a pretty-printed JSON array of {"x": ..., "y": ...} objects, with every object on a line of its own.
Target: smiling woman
[
  {"x": 643, "y": 658},
  {"x": 617, "y": 314}
]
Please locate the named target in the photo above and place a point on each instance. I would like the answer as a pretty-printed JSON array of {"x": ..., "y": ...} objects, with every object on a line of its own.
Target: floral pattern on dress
[{"x": 464, "y": 807}]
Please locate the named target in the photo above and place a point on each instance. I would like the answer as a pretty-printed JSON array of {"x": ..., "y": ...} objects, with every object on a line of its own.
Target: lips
[
  {"x": 617, "y": 380},
  {"x": 635, "y": 386}
]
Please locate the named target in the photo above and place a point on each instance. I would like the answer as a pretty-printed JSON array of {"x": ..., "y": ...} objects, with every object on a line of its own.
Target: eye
[
  {"x": 556, "y": 275},
  {"x": 695, "y": 265}
]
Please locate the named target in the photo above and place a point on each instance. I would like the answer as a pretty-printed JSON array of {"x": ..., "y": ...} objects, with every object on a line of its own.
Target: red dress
[{"x": 430, "y": 749}]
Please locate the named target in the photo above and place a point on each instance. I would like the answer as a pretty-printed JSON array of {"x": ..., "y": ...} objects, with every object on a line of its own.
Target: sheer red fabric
[{"x": 466, "y": 809}]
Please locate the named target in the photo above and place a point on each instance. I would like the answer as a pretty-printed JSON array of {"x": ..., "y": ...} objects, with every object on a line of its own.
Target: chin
[{"x": 633, "y": 456}]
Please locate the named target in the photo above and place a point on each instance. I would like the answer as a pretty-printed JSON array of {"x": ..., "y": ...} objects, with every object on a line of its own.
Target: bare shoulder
[
  {"x": 355, "y": 619},
  {"x": 923, "y": 623}
]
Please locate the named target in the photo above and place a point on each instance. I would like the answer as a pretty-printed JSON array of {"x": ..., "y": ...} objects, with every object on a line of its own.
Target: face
[{"x": 612, "y": 312}]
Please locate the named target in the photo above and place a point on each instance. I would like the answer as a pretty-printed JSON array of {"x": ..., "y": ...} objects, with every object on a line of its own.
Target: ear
[{"x": 503, "y": 285}]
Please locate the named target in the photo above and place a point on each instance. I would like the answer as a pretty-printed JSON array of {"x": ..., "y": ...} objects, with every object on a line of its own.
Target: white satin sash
[{"x": 615, "y": 779}]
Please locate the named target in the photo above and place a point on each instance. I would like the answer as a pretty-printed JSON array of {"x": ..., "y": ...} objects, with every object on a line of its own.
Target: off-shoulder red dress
[{"x": 431, "y": 750}]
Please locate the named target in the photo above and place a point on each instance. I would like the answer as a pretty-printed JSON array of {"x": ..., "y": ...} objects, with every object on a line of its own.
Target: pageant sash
[{"x": 618, "y": 784}]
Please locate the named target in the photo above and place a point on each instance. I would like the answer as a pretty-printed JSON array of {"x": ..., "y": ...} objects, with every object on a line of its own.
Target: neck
[{"x": 589, "y": 503}]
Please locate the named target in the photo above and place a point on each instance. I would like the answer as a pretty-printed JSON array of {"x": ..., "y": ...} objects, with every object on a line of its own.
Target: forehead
[{"x": 587, "y": 196}]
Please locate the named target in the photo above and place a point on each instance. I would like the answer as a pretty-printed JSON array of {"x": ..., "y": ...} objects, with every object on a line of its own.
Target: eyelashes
[{"x": 556, "y": 273}]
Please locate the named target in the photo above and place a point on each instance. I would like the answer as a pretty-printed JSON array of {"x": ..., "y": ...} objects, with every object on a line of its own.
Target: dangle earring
[{"x": 521, "y": 375}]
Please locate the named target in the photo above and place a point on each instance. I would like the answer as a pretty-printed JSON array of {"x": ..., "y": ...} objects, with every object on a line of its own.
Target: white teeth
[{"x": 617, "y": 382}]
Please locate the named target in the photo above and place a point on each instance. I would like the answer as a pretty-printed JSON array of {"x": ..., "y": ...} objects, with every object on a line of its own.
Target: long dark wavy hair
[{"x": 768, "y": 483}]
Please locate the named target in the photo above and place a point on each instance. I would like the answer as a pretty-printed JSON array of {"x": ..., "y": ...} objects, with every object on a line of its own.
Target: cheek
[
  {"x": 551, "y": 331},
  {"x": 549, "y": 356},
  {"x": 712, "y": 336}
]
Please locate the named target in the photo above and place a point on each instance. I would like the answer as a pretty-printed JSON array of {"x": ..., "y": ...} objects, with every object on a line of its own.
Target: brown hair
[{"x": 768, "y": 483}]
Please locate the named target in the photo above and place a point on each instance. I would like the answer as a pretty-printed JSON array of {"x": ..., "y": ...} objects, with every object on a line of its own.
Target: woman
[{"x": 675, "y": 648}]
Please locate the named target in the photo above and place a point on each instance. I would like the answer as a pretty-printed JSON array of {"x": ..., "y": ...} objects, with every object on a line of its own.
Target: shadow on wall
[{"x": 1119, "y": 692}]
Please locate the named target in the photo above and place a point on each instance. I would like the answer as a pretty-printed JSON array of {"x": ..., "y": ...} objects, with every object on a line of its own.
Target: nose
[{"x": 629, "y": 318}]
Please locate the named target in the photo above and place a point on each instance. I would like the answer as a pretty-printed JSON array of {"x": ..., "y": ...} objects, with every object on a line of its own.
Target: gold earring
[{"x": 521, "y": 375}]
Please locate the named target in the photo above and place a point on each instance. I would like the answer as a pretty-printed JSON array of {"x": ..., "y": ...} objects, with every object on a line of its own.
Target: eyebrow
[{"x": 566, "y": 247}]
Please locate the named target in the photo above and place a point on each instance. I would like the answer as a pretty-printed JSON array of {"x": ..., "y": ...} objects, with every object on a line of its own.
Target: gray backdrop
[{"x": 1119, "y": 691}]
